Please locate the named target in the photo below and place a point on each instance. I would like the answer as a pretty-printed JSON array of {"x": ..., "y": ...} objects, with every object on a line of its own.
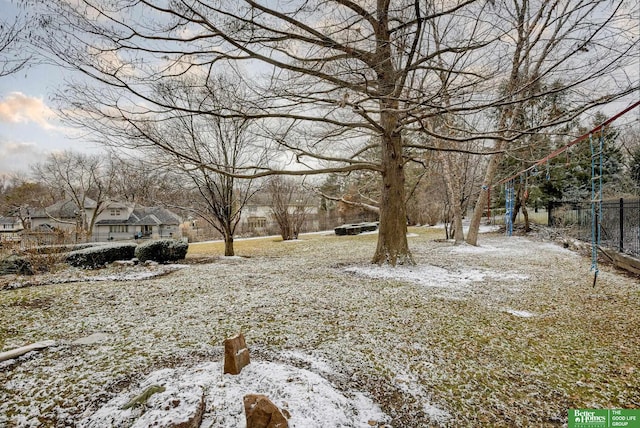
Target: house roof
[
  {"x": 7, "y": 220},
  {"x": 14, "y": 222},
  {"x": 118, "y": 204},
  {"x": 66, "y": 208},
  {"x": 146, "y": 216}
]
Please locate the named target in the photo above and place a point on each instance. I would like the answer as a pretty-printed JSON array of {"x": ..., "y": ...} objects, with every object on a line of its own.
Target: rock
[
  {"x": 236, "y": 354},
  {"x": 262, "y": 413},
  {"x": 193, "y": 421}
]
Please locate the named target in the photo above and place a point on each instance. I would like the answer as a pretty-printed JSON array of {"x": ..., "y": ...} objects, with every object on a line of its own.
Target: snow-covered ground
[
  {"x": 505, "y": 334},
  {"x": 309, "y": 398}
]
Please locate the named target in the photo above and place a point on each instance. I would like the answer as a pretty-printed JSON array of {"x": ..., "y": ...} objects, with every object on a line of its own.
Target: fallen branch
[{"x": 15, "y": 353}]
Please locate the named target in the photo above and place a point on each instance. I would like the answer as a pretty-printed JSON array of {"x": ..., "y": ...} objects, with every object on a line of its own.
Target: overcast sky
[{"x": 29, "y": 128}]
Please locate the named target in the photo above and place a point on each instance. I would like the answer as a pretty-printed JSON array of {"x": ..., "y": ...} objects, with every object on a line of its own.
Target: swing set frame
[{"x": 596, "y": 182}]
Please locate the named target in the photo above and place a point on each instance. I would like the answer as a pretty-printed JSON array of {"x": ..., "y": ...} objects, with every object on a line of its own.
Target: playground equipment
[{"x": 596, "y": 182}]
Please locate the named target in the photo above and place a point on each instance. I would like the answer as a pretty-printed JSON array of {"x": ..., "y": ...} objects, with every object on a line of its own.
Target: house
[
  {"x": 10, "y": 229},
  {"x": 115, "y": 220},
  {"x": 63, "y": 216},
  {"x": 121, "y": 221},
  {"x": 257, "y": 215}
]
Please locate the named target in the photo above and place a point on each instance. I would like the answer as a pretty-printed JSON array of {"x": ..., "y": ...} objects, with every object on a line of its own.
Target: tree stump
[
  {"x": 262, "y": 413},
  {"x": 236, "y": 354}
]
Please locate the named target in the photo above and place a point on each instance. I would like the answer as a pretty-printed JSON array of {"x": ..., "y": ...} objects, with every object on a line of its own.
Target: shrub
[
  {"x": 58, "y": 249},
  {"x": 48, "y": 258},
  {"x": 94, "y": 257},
  {"x": 15, "y": 265},
  {"x": 162, "y": 251}
]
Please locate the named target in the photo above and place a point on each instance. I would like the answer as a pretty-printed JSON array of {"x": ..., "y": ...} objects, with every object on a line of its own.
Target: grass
[
  {"x": 272, "y": 246},
  {"x": 405, "y": 344}
]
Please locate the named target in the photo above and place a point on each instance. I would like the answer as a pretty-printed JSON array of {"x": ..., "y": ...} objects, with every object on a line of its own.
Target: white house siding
[{"x": 10, "y": 229}]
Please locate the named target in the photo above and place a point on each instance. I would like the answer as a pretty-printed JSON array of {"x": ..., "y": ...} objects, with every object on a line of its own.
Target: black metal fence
[{"x": 620, "y": 222}]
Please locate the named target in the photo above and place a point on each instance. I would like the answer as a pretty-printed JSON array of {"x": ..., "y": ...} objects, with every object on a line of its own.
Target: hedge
[
  {"x": 15, "y": 265},
  {"x": 63, "y": 248},
  {"x": 162, "y": 251},
  {"x": 94, "y": 257}
]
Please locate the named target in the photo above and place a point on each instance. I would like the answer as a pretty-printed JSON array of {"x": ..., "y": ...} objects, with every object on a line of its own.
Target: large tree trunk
[
  {"x": 228, "y": 243},
  {"x": 481, "y": 203},
  {"x": 392, "y": 237}
]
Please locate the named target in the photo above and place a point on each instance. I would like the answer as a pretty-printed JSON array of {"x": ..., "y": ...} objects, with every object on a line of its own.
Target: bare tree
[
  {"x": 218, "y": 143},
  {"x": 84, "y": 179},
  {"x": 138, "y": 181},
  {"x": 20, "y": 196},
  {"x": 289, "y": 205},
  {"x": 558, "y": 49},
  {"x": 12, "y": 53},
  {"x": 327, "y": 76}
]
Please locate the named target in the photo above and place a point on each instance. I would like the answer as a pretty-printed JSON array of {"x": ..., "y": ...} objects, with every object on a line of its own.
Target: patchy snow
[
  {"x": 333, "y": 339},
  {"x": 317, "y": 364},
  {"x": 91, "y": 339},
  {"x": 484, "y": 228},
  {"x": 137, "y": 276},
  {"x": 370, "y": 232},
  {"x": 433, "y": 276},
  {"x": 116, "y": 272},
  {"x": 408, "y": 383},
  {"x": 520, "y": 314},
  {"x": 310, "y": 399},
  {"x": 513, "y": 246}
]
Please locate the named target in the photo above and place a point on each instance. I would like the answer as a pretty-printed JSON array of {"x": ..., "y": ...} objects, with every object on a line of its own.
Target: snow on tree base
[{"x": 310, "y": 399}]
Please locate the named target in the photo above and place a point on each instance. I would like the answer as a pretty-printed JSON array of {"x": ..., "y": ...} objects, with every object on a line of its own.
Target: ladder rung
[
  {"x": 596, "y": 201},
  {"x": 597, "y": 177}
]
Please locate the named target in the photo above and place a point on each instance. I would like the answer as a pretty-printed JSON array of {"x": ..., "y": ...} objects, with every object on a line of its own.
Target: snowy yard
[{"x": 510, "y": 333}]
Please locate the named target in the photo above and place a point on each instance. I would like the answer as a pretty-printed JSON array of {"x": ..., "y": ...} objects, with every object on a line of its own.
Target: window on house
[
  {"x": 119, "y": 228},
  {"x": 257, "y": 222},
  {"x": 115, "y": 211}
]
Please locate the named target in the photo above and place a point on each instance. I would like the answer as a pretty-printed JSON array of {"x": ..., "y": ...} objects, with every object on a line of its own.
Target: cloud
[
  {"x": 13, "y": 148},
  {"x": 20, "y": 108},
  {"x": 16, "y": 156}
]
